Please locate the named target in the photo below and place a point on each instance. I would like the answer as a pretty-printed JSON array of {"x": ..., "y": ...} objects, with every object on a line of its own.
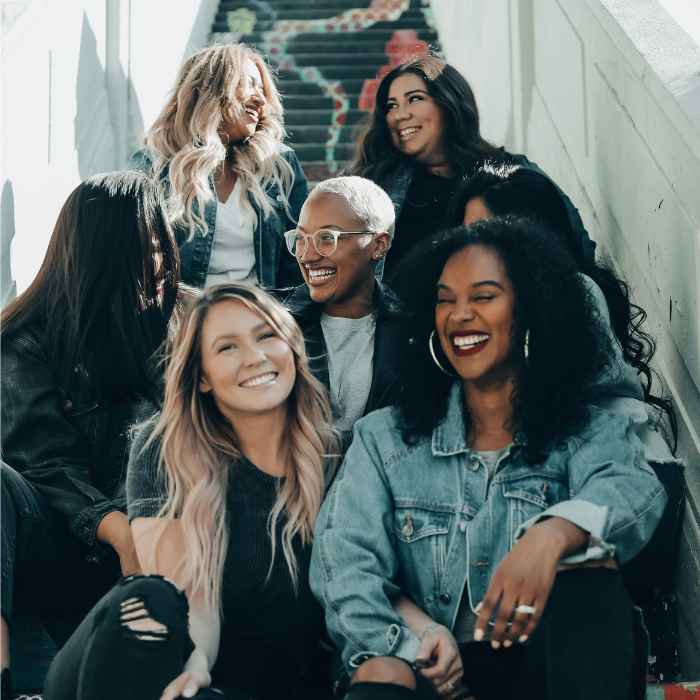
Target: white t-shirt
[{"x": 233, "y": 253}]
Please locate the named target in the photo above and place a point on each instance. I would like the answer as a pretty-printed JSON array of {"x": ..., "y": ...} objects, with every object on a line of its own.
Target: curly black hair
[
  {"x": 466, "y": 148},
  {"x": 510, "y": 189},
  {"x": 567, "y": 348}
]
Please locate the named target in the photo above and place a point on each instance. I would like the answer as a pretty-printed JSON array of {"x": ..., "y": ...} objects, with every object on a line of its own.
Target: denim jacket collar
[{"x": 450, "y": 435}]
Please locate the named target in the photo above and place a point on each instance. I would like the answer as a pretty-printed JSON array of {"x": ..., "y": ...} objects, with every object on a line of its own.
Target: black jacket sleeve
[{"x": 42, "y": 443}]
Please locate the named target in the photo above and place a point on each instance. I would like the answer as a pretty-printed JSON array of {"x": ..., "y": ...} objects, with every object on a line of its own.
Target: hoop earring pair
[{"x": 433, "y": 354}]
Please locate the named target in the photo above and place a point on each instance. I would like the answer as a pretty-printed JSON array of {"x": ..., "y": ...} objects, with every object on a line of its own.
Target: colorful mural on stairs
[{"x": 276, "y": 43}]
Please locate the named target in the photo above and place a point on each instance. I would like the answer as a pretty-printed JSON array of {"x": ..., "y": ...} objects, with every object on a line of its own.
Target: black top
[
  {"x": 424, "y": 213},
  {"x": 270, "y": 643}
]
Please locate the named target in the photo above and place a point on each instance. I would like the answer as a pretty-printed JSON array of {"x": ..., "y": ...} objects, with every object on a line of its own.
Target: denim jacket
[
  {"x": 273, "y": 266},
  {"x": 397, "y": 183},
  {"x": 69, "y": 446},
  {"x": 425, "y": 521}
]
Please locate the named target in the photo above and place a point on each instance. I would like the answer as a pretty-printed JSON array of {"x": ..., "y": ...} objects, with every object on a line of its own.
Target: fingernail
[
  {"x": 478, "y": 635},
  {"x": 523, "y": 639},
  {"x": 188, "y": 692},
  {"x": 507, "y": 643},
  {"x": 495, "y": 644}
]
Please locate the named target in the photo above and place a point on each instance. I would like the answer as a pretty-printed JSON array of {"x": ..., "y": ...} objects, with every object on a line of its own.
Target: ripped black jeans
[{"x": 118, "y": 653}]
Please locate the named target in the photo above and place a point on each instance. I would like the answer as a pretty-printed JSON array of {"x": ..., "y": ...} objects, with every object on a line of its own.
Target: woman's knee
[
  {"x": 150, "y": 608},
  {"x": 385, "y": 669}
]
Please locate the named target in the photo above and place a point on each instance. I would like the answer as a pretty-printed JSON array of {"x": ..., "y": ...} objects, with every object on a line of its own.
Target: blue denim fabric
[
  {"x": 274, "y": 267},
  {"x": 424, "y": 520}
]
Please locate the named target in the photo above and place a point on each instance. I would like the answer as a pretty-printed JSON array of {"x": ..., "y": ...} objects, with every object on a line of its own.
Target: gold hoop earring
[{"x": 435, "y": 357}]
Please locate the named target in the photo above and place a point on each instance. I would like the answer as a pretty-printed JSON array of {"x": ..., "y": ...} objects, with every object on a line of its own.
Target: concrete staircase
[{"x": 328, "y": 56}]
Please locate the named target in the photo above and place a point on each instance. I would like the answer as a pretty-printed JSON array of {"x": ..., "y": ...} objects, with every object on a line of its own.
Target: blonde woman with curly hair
[
  {"x": 233, "y": 187},
  {"x": 223, "y": 486}
]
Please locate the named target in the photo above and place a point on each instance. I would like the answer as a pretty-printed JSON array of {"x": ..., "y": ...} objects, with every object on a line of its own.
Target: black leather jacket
[
  {"x": 385, "y": 377},
  {"x": 73, "y": 449}
]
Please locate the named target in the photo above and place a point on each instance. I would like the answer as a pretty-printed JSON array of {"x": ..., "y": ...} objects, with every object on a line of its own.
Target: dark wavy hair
[
  {"x": 377, "y": 156},
  {"x": 509, "y": 189},
  {"x": 567, "y": 347},
  {"x": 108, "y": 284}
]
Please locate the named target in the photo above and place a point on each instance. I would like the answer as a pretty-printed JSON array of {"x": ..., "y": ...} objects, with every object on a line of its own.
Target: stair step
[
  {"x": 318, "y": 117},
  {"x": 345, "y": 74},
  {"x": 267, "y": 25},
  {"x": 319, "y": 170},
  {"x": 310, "y": 4},
  {"x": 360, "y": 58},
  {"x": 351, "y": 87},
  {"x": 302, "y": 102},
  {"x": 295, "y": 14},
  {"x": 310, "y": 151},
  {"x": 335, "y": 39},
  {"x": 318, "y": 135}
]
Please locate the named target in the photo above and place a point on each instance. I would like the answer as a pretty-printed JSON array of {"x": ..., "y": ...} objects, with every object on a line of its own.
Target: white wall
[
  {"x": 80, "y": 81},
  {"x": 605, "y": 96}
]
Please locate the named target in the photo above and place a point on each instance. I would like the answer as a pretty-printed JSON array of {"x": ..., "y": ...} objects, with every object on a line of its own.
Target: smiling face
[
  {"x": 250, "y": 97},
  {"x": 415, "y": 120},
  {"x": 338, "y": 280},
  {"x": 474, "y": 315},
  {"x": 246, "y": 366}
]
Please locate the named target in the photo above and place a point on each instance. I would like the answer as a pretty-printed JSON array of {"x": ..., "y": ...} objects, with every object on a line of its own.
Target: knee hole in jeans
[{"x": 138, "y": 622}]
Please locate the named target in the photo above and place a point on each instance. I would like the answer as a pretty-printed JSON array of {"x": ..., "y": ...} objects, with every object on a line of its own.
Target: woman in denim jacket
[
  {"x": 495, "y": 496},
  {"x": 233, "y": 187},
  {"x": 78, "y": 369}
]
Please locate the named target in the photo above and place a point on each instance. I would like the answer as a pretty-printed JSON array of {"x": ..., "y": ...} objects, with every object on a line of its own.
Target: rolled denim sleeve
[
  {"x": 354, "y": 565},
  {"x": 614, "y": 493},
  {"x": 45, "y": 447}
]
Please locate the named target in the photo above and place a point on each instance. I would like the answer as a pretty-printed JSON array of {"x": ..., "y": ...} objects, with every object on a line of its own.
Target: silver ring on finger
[{"x": 526, "y": 609}]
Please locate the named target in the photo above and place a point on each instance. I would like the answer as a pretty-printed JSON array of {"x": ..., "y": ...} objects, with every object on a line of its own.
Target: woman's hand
[
  {"x": 525, "y": 578},
  {"x": 442, "y": 664},
  {"x": 186, "y": 685},
  {"x": 115, "y": 531}
]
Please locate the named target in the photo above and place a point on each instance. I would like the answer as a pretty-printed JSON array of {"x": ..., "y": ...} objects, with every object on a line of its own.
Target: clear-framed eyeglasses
[{"x": 325, "y": 240}]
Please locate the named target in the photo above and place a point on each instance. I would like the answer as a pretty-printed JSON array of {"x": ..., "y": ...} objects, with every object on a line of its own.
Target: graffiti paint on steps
[{"x": 275, "y": 43}]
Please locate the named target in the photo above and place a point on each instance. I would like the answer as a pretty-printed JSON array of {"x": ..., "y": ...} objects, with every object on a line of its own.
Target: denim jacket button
[
  {"x": 445, "y": 598},
  {"x": 463, "y": 526}
]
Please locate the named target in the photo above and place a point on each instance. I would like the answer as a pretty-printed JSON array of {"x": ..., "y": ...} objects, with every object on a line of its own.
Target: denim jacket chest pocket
[
  {"x": 422, "y": 541},
  {"x": 527, "y": 494}
]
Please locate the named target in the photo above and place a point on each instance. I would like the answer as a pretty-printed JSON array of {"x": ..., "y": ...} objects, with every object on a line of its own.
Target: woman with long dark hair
[
  {"x": 422, "y": 138},
  {"x": 224, "y": 486},
  {"x": 79, "y": 359},
  {"x": 502, "y": 189},
  {"x": 496, "y": 496}
]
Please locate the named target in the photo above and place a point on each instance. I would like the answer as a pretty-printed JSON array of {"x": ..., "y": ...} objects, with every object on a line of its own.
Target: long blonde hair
[
  {"x": 185, "y": 140},
  {"x": 197, "y": 446}
]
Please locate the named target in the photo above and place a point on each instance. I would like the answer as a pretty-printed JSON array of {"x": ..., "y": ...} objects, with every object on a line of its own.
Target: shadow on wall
[
  {"x": 108, "y": 120},
  {"x": 8, "y": 287}
]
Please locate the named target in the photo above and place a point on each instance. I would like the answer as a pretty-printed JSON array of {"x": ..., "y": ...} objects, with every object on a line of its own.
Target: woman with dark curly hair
[
  {"x": 495, "y": 496},
  {"x": 422, "y": 138},
  {"x": 502, "y": 189}
]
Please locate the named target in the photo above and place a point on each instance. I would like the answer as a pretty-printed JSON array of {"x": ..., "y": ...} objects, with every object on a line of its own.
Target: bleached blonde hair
[
  {"x": 185, "y": 142},
  {"x": 197, "y": 446}
]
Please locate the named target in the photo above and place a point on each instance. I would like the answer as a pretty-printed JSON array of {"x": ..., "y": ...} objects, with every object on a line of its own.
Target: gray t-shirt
[{"x": 350, "y": 343}]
